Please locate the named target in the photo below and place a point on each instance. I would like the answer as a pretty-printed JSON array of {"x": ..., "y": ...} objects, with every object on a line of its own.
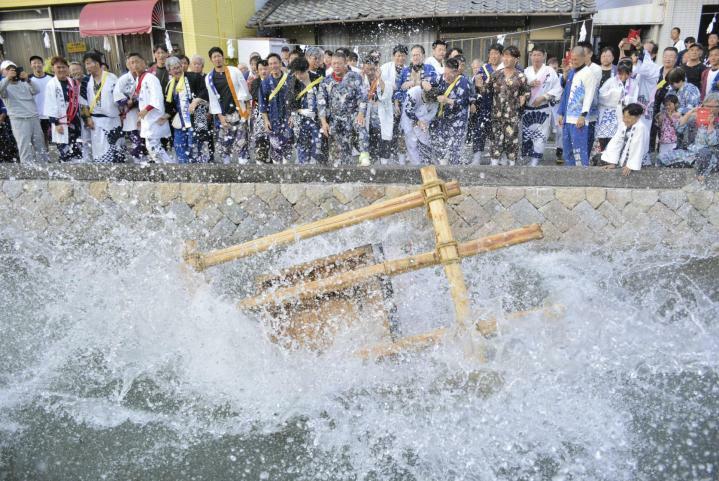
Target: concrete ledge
[{"x": 554, "y": 176}]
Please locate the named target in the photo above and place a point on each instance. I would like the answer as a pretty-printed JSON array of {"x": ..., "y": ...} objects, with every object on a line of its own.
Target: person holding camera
[{"x": 18, "y": 93}]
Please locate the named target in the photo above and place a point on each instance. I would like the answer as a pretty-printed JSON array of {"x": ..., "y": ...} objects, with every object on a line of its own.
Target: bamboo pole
[
  {"x": 487, "y": 328},
  {"x": 391, "y": 268},
  {"x": 402, "y": 203},
  {"x": 447, "y": 249}
]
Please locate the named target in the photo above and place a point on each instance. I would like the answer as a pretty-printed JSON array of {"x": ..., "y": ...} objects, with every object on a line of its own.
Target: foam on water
[{"x": 117, "y": 363}]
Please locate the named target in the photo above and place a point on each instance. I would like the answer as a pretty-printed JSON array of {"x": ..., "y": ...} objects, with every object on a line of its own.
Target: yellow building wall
[{"x": 209, "y": 23}]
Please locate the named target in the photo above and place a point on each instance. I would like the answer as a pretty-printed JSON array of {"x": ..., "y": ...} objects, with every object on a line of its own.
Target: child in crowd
[
  {"x": 627, "y": 147},
  {"x": 668, "y": 121}
]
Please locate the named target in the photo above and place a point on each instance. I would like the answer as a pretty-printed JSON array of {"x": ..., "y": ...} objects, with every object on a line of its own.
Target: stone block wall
[{"x": 220, "y": 214}]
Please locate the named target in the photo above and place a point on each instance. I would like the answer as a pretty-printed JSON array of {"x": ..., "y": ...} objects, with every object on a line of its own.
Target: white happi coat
[
  {"x": 385, "y": 108},
  {"x": 550, "y": 84},
  {"x": 238, "y": 80},
  {"x": 105, "y": 114},
  {"x": 124, "y": 90},
  {"x": 55, "y": 106},
  {"x": 629, "y": 152},
  {"x": 106, "y": 105},
  {"x": 151, "y": 95},
  {"x": 613, "y": 97}
]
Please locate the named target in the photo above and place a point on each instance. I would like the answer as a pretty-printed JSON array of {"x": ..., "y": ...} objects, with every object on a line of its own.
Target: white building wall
[
  {"x": 662, "y": 14},
  {"x": 685, "y": 14}
]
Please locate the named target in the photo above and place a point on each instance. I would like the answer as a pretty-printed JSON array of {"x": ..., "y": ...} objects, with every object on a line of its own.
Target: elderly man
[
  {"x": 341, "y": 108},
  {"x": 184, "y": 93},
  {"x": 18, "y": 94},
  {"x": 314, "y": 57},
  {"x": 577, "y": 100},
  {"x": 693, "y": 65},
  {"x": 229, "y": 96}
]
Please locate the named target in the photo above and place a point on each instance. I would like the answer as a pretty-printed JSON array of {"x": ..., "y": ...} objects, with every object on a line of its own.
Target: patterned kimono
[
  {"x": 339, "y": 101},
  {"x": 99, "y": 104},
  {"x": 688, "y": 95},
  {"x": 613, "y": 96},
  {"x": 507, "y": 94},
  {"x": 483, "y": 125},
  {"x": 276, "y": 109},
  {"x": 537, "y": 121},
  {"x": 702, "y": 151},
  {"x": 302, "y": 105},
  {"x": 449, "y": 127}
]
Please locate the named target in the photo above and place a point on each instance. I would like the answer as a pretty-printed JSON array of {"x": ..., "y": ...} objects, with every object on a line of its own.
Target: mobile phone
[
  {"x": 703, "y": 117},
  {"x": 18, "y": 71}
]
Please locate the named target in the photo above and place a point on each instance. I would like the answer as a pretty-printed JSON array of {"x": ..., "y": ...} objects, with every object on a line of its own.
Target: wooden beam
[
  {"x": 487, "y": 328},
  {"x": 391, "y": 268},
  {"x": 413, "y": 200},
  {"x": 447, "y": 249}
]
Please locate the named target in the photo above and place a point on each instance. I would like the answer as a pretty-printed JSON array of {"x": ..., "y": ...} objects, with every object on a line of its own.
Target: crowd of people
[{"x": 331, "y": 107}]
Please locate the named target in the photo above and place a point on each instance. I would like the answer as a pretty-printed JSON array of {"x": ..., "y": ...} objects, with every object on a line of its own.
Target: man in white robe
[
  {"x": 628, "y": 146},
  {"x": 154, "y": 126},
  {"x": 439, "y": 52},
  {"x": 537, "y": 117},
  {"x": 124, "y": 96},
  {"x": 62, "y": 108},
  {"x": 100, "y": 112}
]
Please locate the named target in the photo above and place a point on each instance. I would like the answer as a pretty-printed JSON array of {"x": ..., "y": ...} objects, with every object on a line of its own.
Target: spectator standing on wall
[{"x": 18, "y": 93}]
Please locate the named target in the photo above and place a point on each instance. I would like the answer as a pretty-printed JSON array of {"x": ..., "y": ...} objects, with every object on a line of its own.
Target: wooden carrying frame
[{"x": 298, "y": 298}]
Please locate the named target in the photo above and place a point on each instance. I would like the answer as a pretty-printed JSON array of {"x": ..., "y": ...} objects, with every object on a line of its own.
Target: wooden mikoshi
[
  {"x": 305, "y": 301},
  {"x": 312, "y": 322}
]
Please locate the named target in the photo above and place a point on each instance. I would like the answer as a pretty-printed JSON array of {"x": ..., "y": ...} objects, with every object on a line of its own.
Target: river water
[{"x": 117, "y": 364}]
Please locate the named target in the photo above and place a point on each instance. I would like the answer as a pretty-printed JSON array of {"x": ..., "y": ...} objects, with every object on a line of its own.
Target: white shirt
[
  {"x": 41, "y": 86},
  {"x": 711, "y": 77},
  {"x": 151, "y": 94},
  {"x": 124, "y": 90},
  {"x": 679, "y": 45},
  {"x": 435, "y": 64}
]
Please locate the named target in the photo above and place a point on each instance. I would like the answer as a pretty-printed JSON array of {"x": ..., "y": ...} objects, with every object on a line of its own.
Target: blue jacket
[
  {"x": 276, "y": 109},
  {"x": 428, "y": 73}
]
